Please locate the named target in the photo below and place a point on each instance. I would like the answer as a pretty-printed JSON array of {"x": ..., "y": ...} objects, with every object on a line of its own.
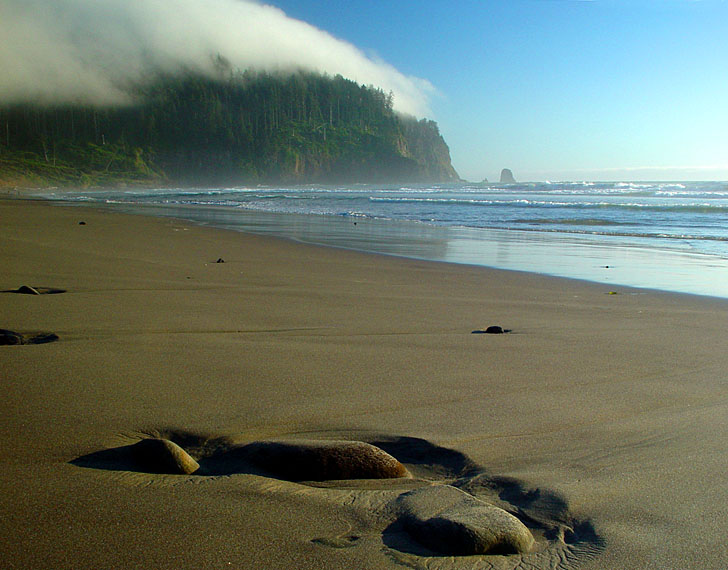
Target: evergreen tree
[{"x": 239, "y": 128}]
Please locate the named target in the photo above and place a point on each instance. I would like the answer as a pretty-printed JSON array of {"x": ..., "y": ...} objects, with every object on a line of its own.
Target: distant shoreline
[{"x": 591, "y": 255}]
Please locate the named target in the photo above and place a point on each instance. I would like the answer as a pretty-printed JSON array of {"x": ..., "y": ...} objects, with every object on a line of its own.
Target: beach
[{"x": 609, "y": 400}]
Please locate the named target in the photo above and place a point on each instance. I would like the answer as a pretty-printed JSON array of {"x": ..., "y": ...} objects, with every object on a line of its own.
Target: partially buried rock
[
  {"x": 8, "y": 338},
  {"x": 493, "y": 329},
  {"x": 311, "y": 460},
  {"x": 163, "y": 456},
  {"x": 452, "y": 522},
  {"x": 27, "y": 290},
  {"x": 15, "y": 338}
]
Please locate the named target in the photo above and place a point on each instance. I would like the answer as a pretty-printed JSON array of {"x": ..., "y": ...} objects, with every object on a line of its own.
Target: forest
[{"x": 241, "y": 128}]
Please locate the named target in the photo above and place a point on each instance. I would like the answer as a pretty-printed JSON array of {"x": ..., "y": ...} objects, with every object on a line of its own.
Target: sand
[{"x": 604, "y": 416}]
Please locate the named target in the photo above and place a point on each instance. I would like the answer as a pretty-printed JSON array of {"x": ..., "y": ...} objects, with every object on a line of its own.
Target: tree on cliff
[{"x": 239, "y": 128}]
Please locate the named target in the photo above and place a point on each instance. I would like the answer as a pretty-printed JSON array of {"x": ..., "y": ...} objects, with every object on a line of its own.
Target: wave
[
  {"x": 623, "y": 234},
  {"x": 573, "y": 222},
  {"x": 703, "y": 207}
]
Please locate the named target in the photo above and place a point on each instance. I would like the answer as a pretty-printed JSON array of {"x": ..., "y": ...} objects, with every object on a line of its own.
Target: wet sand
[{"x": 612, "y": 406}]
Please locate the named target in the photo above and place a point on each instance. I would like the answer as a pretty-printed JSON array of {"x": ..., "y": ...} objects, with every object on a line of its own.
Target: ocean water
[{"x": 669, "y": 236}]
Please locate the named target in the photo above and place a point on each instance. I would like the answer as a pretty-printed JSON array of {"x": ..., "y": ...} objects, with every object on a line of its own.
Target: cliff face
[
  {"x": 425, "y": 145},
  {"x": 245, "y": 129}
]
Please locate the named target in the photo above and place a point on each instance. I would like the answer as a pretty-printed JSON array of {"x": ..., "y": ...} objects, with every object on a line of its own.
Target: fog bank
[{"x": 91, "y": 51}]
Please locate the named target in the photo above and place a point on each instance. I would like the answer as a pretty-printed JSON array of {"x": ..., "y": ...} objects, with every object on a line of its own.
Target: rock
[
  {"x": 163, "y": 456},
  {"x": 81, "y": 223},
  {"x": 41, "y": 338},
  {"x": 452, "y": 522},
  {"x": 493, "y": 329},
  {"x": 506, "y": 177},
  {"x": 10, "y": 337},
  {"x": 27, "y": 290},
  {"x": 14, "y": 338},
  {"x": 310, "y": 460},
  {"x": 220, "y": 260}
]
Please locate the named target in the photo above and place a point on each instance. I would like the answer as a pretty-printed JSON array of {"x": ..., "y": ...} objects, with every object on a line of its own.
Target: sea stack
[{"x": 507, "y": 176}]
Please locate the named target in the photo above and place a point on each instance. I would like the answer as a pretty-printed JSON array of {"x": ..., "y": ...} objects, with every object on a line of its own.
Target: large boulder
[
  {"x": 320, "y": 460},
  {"x": 163, "y": 456},
  {"x": 452, "y": 522}
]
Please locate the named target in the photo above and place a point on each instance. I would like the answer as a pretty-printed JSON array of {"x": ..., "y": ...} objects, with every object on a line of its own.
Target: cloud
[{"x": 91, "y": 51}]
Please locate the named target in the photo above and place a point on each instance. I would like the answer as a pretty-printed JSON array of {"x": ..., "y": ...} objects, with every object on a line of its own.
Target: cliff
[{"x": 244, "y": 128}]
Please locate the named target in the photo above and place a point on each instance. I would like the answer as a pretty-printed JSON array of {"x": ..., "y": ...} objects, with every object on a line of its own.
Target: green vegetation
[{"x": 247, "y": 128}]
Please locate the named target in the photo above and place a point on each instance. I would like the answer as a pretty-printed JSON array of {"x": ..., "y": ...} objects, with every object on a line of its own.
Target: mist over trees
[{"x": 242, "y": 128}]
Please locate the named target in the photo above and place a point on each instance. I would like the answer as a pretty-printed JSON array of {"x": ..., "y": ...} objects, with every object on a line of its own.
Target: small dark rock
[
  {"x": 41, "y": 338},
  {"x": 27, "y": 290},
  {"x": 220, "y": 260},
  {"x": 8, "y": 338},
  {"x": 81, "y": 223},
  {"x": 493, "y": 329}
]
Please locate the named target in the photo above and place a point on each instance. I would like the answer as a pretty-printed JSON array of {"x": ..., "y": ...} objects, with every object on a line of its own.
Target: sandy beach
[{"x": 602, "y": 414}]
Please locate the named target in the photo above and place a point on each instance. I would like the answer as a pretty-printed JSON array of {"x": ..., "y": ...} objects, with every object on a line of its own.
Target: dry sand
[{"x": 614, "y": 406}]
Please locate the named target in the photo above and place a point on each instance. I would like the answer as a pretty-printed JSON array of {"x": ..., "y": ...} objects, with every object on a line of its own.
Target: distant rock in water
[{"x": 507, "y": 176}]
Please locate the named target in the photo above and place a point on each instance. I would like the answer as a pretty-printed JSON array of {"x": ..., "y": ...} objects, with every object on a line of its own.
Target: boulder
[
  {"x": 506, "y": 176},
  {"x": 320, "y": 460},
  {"x": 451, "y": 522},
  {"x": 163, "y": 456},
  {"x": 27, "y": 290}
]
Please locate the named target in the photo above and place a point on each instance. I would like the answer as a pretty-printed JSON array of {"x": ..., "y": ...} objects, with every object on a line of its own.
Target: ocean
[{"x": 671, "y": 236}]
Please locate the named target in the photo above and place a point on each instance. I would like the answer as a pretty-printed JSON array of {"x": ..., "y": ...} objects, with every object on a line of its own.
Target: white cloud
[{"x": 91, "y": 50}]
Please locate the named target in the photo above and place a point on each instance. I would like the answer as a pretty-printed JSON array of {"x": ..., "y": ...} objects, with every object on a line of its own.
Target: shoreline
[
  {"x": 614, "y": 403},
  {"x": 594, "y": 259}
]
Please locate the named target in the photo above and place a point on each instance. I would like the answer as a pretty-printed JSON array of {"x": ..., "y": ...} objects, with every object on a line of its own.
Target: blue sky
[{"x": 557, "y": 89}]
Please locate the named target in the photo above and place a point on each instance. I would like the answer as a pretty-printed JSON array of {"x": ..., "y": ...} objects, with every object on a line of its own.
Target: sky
[
  {"x": 551, "y": 89},
  {"x": 557, "y": 89}
]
